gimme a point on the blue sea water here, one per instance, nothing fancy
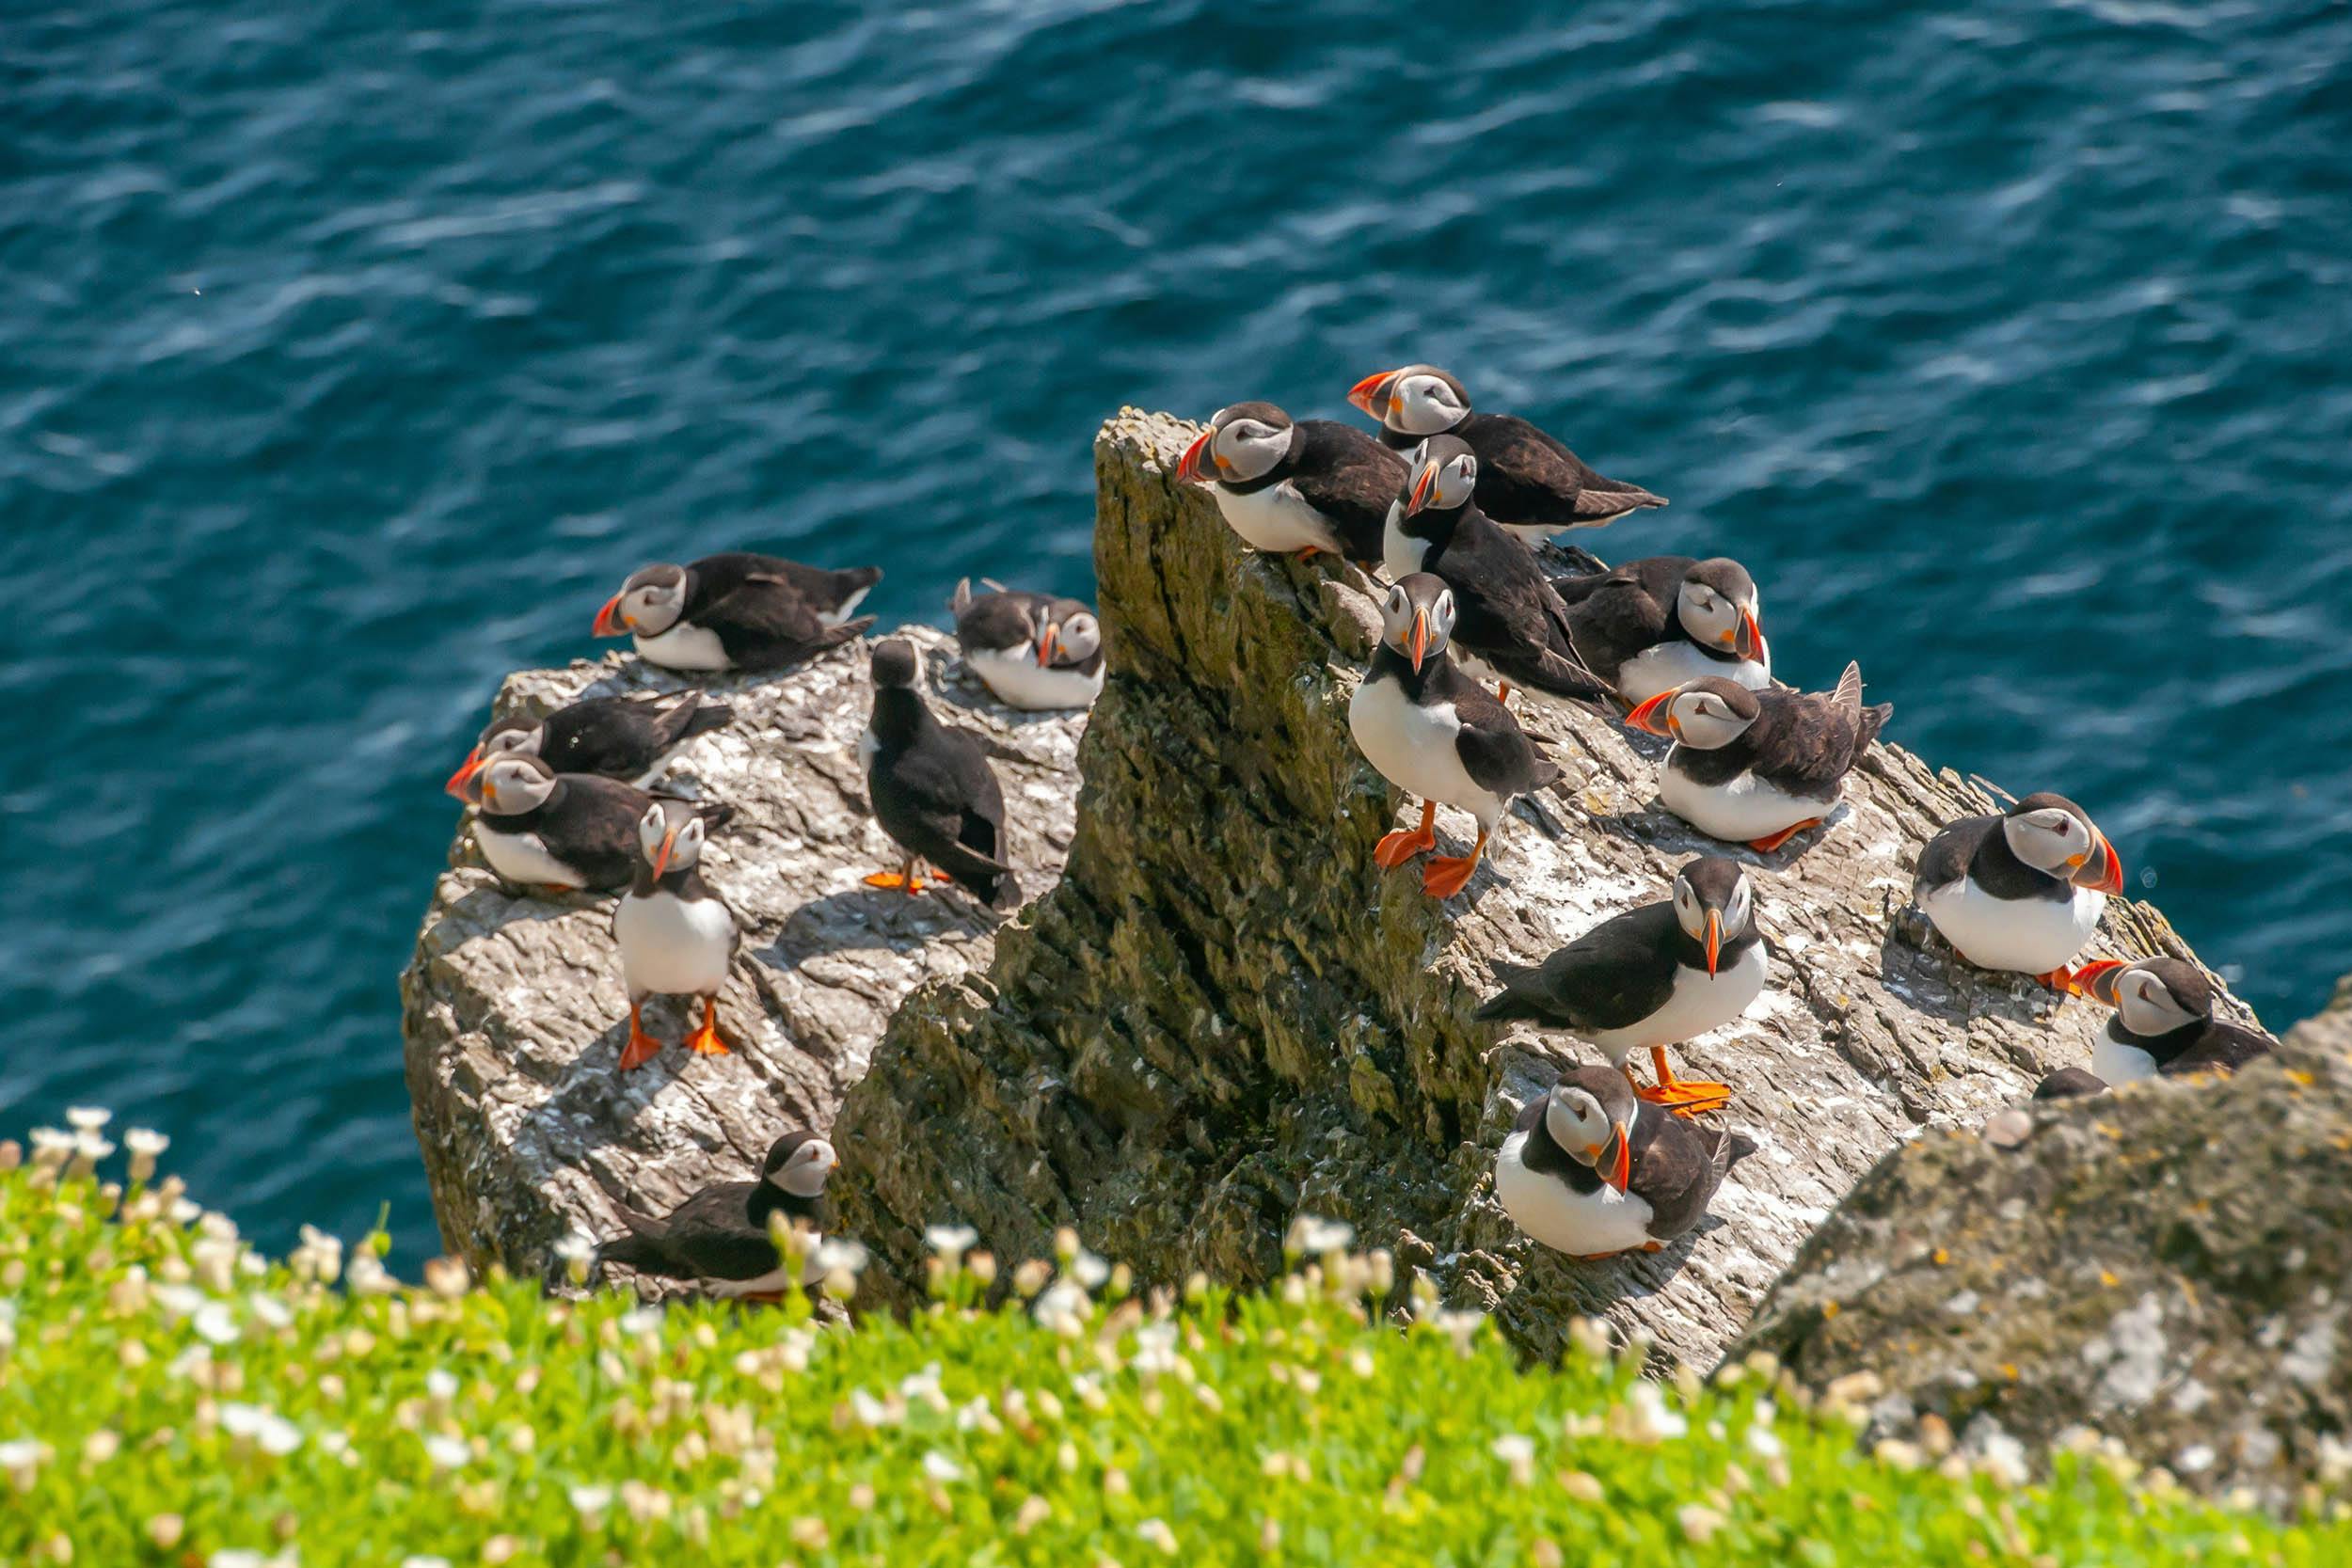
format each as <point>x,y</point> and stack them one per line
<point>351,354</point>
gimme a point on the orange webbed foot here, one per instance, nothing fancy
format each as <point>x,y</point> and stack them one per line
<point>705,1040</point>
<point>1766,845</point>
<point>642,1047</point>
<point>1447,874</point>
<point>1684,1097</point>
<point>1395,848</point>
<point>909,880</point>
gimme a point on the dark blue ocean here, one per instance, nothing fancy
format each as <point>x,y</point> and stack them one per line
<point>351,354</point>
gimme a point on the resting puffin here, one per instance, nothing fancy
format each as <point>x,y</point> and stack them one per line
<point>1434,732</point>
<point>737,612</point>
<point>932,788</point>
<point>1758,768</point>
<point>1591,1171</point>
<point>630,738</point>
<point>1033,652</point>
<point>1654,977</point>
<point>1527,482</point>
<point>1511,622</point>
<point>676,936</point>
<point>2070,1082</point>
<point>2164,1024</point>
<point>2022,890</point>
<point>719,1239</point>
<point>545,830</point>
<point>1299,485</point>
<point>1656,623</point>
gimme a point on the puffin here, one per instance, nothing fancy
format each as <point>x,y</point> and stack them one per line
<point>1434,732</point>
<point>676,936</point>
<point>1512,626</point>
<point>932,788</point>
<point>2022,889</point>
<point>1656,623</point>
<point>2070,1082</point>
<point>630,738</point>
<point>1527,480</point>
<point>1654,977</point>
<point>737,612</point>
<point>2164,1024</point>
<point>1294,486</point>
<point>1033,652</point>
<point>719,1239</point>
<point>1591,1171</point>
<point>550,831</point>
<point>1758,768</point>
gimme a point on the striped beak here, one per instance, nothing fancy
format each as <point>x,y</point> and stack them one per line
<point>662,856</point>
<point>609,621</point>
<point>1620,1170</point>
<point>1751,643</point>
<point>1047,640</point>
<point>2097,978</point>
<point>1651,717</point>
<point>456,785</point>
<point>1418,647</point>
<point>1714,938</point>
<point>1371,394</point>
<point>1423,483</point>
<point>1188,465</point>
<point>2102,870</point>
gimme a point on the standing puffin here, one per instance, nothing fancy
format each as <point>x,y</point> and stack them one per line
<point>1527,482</point>
<point>1434,732</point>
<point>1656,623</point>
<point>1299,485</point>
<point>2164,1024</point>
<point>737,612</point>
<point>719,1239</point>
<point>630,738</point>
<point>2021,890</point>
<point>932,788</point>
<point>1031,651</point>
<point>1510,621</point>
<point>1654,977</point>
<point>545,830</point>
<point>1758,767</point>
<point>676,936</point>
<point>1591,1171</point>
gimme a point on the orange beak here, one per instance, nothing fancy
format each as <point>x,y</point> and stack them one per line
<point>1621,1169</point>
<point>662,856</point>
<point>1423,483</point>
<point>1370,394</point>
<point>456,785</point>
<point>2103,868</point>
<point>1418,647</point>
<point>2097,978</point>
<point>1751,643</point>
<point>1645,717</point>
<point>609,623</point>
<point>1188,465</point>
<point>1047,642</point>
<point>1714,938</point>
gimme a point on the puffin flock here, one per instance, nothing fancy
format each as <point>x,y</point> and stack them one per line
<point>1448,504</point>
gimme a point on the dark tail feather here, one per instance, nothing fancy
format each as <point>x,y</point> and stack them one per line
<point>635,1252</point>
<point>1873,720</point>
<point>709,716</point>
<point>1738,1146</point>
<point>1556,677</point>
<point>1004,892</point>
<point>854,577</point>
<point>715,814</point>
<point>848,631</point>
<point>1520,997</point>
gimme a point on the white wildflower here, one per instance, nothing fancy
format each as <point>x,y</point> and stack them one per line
<point>145,1145</point>
<point>180,1300</point>
<point>272,1312</point>
<point>368,1274</point>
<point>87,1119</point>
<point>447,1452</point>
<point>591,1499</point>
<point>440,1384</point>
<point>215,1264</point>
<point>1463,1326</point>
<point>839,1252</point>
<point>215,1322</point>
<point>1089,1270</point>
<point>1312,1236</point>
<point>1645,1416</point>
<point>1063,1309</point>
<point>869,1411</point>
<point>1156,1532</point>
<point>1518,1451</point>
<point>21,1461</point>
<point>941,1469</point>
<point>951,1242</point>
<point>88,1149</point>
<point>424,1562</point>
<point>1156,1349</point>
<point>642,1320</point>
<point>575,1252</point>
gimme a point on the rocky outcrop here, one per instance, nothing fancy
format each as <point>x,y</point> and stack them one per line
<point>1223,1016</point>
<point>513,1012</point>
<point>2167,1266</point>
<point>2330,1029</point>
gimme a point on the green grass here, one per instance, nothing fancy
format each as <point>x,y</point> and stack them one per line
<point>166,1398</point>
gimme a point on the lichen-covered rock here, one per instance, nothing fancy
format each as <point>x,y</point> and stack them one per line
<point>1225,1016</point>
<point>2170,1266</point>
<point>513,1010</point>
<point>2330,1029</point>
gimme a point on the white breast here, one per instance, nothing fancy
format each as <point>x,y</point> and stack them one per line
<point>1678,659</point>
<point>1743,808</point>
<point>774,1279</point>
<point>1276,518</point>
<point>848,607</point>
<point>672,946</point>
<point>1017,678</point>
<point>1412,744</point>
<point>1579,1224</point>
<point>1400,554</point>
<point>523,858</point>
<point>2031,936</point>
<point>684,648</point>
<point>2119,1063</point>
<point>1698,1002</point>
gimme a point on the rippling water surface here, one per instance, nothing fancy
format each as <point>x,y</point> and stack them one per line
<point>349,355</point>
